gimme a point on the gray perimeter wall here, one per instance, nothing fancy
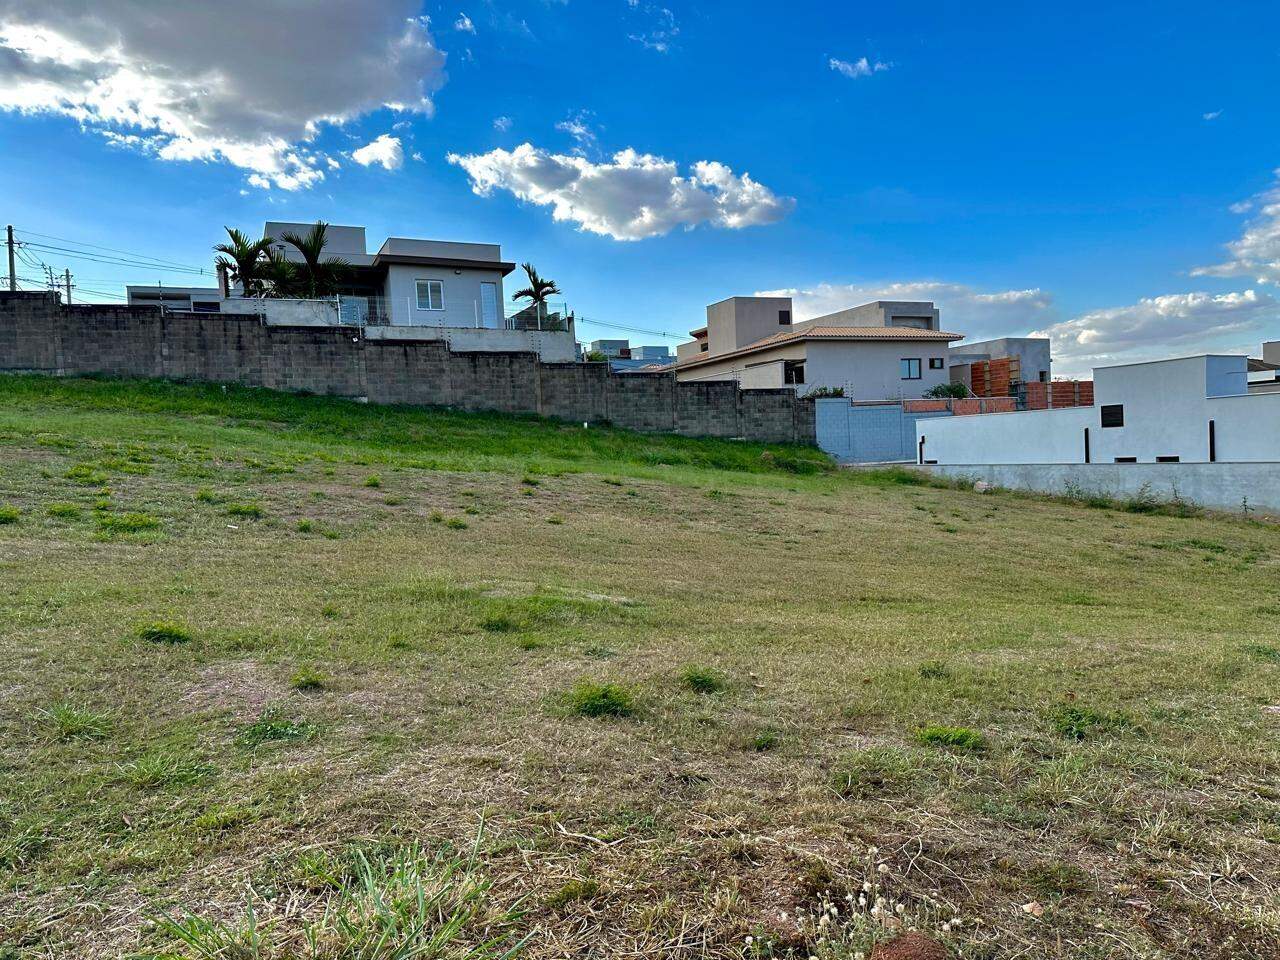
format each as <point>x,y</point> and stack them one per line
<point>39,334</point>
<point>1219,486</point>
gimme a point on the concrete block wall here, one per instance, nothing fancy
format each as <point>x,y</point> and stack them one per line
<point>38,333</point>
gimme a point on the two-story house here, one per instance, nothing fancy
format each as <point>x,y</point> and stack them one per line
<point>884,350</point>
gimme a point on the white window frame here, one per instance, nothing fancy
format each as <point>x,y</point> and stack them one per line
<point>437,285</point>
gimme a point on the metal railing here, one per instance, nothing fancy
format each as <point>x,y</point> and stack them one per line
<point>373,310</point>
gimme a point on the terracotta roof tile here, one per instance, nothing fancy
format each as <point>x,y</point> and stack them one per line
<point>828,333</point>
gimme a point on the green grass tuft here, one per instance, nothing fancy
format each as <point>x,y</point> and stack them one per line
<point>589,699</point>
<point>373,480</point>
<point>307,678</point>
<point>76,723</point>
<point>64,511</point>
<point>273,727</point>
<point>573,891</point>
<point>247,511</point>
<point>703,680</point>
<point>9,515</point>
<point>955,738</point>
<point>1077,723</point>
<point>165,767</point>
<point>165,631</point>
<point>934,670</point>
<point>456,523</point>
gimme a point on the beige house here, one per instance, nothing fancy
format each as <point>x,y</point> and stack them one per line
<point>884,350</point>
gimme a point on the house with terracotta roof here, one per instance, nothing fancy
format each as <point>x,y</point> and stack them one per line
<point>884,350</point>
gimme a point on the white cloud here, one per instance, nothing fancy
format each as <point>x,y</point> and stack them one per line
<point>502,124</point>
<point>237,81</point>
<point>965,310</point>
<point>635,196</point>
<point>861,67</point>
<point>463,24</point>
<point>1256,253</point>
<point>1212,115</point>
<point>577,126</point>
<point>385,150</point>
<point>1165,326</point>
<point>659,27</point>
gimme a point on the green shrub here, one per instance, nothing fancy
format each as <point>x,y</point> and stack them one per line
<point>956,738</point>
<point>76,723</point>
<point>165,631</point>
<point>248,511</point>
<point>64,511</point>
<point>947,391</point>
<point>703,680</point>
<point>373,480</point>
<point>590,699</point>
<point>9,515</point>
<point>272,727</point>
<point>456,523</point>
<point>1076,723</point>
<point>205,495</point>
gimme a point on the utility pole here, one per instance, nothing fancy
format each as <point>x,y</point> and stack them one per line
<point>13,271</point>
<point>66,279</point>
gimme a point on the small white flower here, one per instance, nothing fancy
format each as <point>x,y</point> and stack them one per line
<point>866,886</point>
<point>900,909</point>
<point>883,868</point>
<point>750,941</point>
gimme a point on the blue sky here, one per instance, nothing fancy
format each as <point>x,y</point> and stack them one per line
<point>1102,173</point>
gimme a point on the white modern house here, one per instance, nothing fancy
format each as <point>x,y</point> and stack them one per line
<point>407,289</point>
<point>885,350</point>
<point>1188,410</point>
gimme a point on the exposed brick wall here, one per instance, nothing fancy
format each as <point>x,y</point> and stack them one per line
<point>38,333</point>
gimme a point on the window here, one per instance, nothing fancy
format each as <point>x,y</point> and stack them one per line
<point>430,294</point>
<point>1113,415</point>
<point>1167,459</point>
<point>1126,459</point>
<point>909,369</point>
<point>919,323</point>
<point>792,371</point>
<point>205,306</point>
<point>784,318</point>
<point>1044,377</point>
<point>935,363</point>
<point>703,347</point>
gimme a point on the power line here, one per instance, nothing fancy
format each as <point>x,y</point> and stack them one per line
<point>114,261</point>
<point>619,326</point>
<point>94,246</point>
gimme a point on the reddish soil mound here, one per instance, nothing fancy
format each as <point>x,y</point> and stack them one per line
<point>910,946</point>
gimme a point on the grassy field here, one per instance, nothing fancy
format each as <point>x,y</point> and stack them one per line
<point>290,677</point>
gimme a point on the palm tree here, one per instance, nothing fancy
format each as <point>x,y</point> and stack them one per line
<point>537,292</point>
<point>243,258</point>
<point>319,277</point>
<point>278,276</point>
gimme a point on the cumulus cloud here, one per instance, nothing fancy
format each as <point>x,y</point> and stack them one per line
<point>196,84</point>
<point>463,24</point>
<point>632,197</point>
<point>1256,253</point>
<point>861,67</point>
<point>966,310</point>
<point>502,124</point>
<point>1154,327</point>
<point>384,150</point>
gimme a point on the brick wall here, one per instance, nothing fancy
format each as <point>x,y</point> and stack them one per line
<point>38,333</point>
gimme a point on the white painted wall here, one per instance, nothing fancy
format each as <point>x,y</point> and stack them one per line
<point>1167,408</point>
<point>552,346</point>
<point>869,369</point>
<point>461,295</point>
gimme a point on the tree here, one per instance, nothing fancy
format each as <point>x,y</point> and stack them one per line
<point>319,276</point>
<point>244,259</point>
<point>538,290</point>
